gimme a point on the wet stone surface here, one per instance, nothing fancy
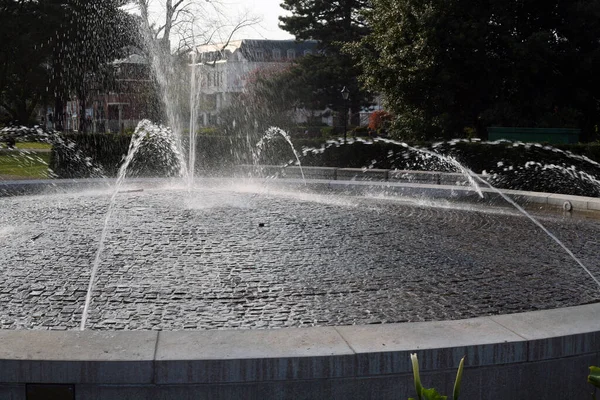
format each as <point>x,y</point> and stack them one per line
<point>236,259</point>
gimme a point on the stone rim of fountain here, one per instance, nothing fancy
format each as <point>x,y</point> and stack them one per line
<point>165,359</point>
<point>577,203</point>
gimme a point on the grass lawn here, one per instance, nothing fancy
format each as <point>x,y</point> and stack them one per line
<point>29,146</point>
<point>34,145</point>
<point>17,165</point>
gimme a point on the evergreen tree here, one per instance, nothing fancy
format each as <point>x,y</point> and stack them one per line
<point>446,66</point>
<point>333,24</point>
<point>90,35</point>
<point>53,48</point>
<point>23,59</point>
<point>329,22</point>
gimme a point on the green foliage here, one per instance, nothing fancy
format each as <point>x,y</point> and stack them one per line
<point>327,21</point>
<point>210,131</point>
<point>78,152</point>
<point>51,48</point>
<point>510,166</point>
<point>322,76</point>
<point>23,76</point>
<point>594,376</point>
<point>327,131</point>
<point>360,131</point>
<point>594,379</point>
<point>432,394</point>
<point>443,66</point>
<point>218,153</point>
<point>458,380</point>
<point>33,145</point>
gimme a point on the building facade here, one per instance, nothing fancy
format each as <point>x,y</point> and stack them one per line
<point>111,108</point>
<point>223,70</point>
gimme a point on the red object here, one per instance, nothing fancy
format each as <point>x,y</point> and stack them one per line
<point>379,119</point>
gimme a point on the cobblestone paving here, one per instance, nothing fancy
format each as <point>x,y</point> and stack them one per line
<point>227,259</point>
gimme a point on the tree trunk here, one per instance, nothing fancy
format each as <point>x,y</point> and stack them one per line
<point>22,115</point>
<point>59,107</point>
<point>83,126</point>
<point>355,113</point>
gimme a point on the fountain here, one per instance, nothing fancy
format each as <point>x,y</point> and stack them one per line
<point>367,268</point>
<point>255,253</point>
<point>315,241</point>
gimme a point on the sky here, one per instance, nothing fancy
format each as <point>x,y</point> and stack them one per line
<point>230,12</point>
<point>269,11</point>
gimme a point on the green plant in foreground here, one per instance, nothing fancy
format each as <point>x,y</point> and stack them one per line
<point>594,378</point>
<point>432,394</point>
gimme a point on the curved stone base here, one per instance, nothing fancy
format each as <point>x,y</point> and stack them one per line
<point>541,354</point>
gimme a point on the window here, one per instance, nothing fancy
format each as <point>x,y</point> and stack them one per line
<point>291,54</point>
<point>276,54</point>
<point>218,79</point>
<point>259,54</point>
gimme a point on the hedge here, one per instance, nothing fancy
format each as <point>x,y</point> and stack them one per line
<point>518,166</point>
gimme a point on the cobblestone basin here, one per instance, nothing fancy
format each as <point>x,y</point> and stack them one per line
<point>241,258</point>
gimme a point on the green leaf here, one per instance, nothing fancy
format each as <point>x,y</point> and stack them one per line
<point>432,394</point>
<point>416,376</point>
<point>594,376</point>
<point>458,380</point>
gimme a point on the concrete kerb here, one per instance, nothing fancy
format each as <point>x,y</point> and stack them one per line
<point>446,191</point>
<point>514,350</point>
<point>302,355</point>
<point>410,183</point>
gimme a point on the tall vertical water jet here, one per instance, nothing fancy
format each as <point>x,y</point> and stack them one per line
<point>193,118</point>
<point>169,80</point>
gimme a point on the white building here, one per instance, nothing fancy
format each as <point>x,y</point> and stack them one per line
<point>223,69</point>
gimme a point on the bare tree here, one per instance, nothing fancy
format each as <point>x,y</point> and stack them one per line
<point>189,22</point>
